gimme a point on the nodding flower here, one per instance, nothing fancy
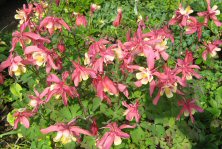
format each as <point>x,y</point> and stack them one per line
<point>15,65</point>
<point>81,73</point>
<point>211,49</point>
<point>22,117</point>
<point>189,108</point>
<point>40,55</point>
<point>186,67</point>
<point>60,88</point>
<point>66,132</point>
<point>113,136</point>
<point>24,14</point>
<point>211,13</point>
<point>132,111</point>
<point>181,17</point>
<point>53,23</point>
<point>167,83</point>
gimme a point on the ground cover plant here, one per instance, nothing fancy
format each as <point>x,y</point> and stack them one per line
<point>98,74</point>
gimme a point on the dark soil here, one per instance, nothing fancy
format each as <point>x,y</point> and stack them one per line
<point>8,11</point>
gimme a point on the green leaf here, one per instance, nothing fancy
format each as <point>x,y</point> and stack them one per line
<point>96,104</point>
<point>15,89</point>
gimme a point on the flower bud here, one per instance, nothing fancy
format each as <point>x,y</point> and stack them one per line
<point>61,47</point>
<point>81,20</point>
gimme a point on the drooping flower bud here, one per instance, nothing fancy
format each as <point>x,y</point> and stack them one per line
<point>94,128</point>
<point>61,47</point>
<point>57,2</point>
<point>81,20</point>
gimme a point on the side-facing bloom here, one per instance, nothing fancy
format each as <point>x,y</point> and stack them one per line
<point>81,20</point>
<point>39,8</point>
<point>60,88</point>
<point>81,73</point>
<point>98,54</point>
<point>22,116</point>
<point>37,100</point>
<point>211,48</point>
<point>118,19</point>
<point>15,64</point>
<point>211,13</point>
<point>189,108</point>
<point>132,111</point>
<point>167,83</point>
<point>186,67</point>
<point>113,136</point>
<point>194,26</point>
<point>52,24</point>
<point>181,16</point>
<point>40,55</point>
<point>24,14</point>
<point>66,132</point>
<point>104,84</point>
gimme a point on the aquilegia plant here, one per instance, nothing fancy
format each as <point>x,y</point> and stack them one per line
<point>101,69</point>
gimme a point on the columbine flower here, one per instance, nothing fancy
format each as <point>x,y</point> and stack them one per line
<point>66,132</point>
<point>143,47</point>
<point>41,55</point>
<point>94,8</point>
<point>163,33</point>
<point>22,116</point>
<point>189,108</point>
<point>118,19</point>
<point>104,84</point>
<point>15,64</point>
<point>113,136</point>
<point>181,16</point>
<point>37,100</point>
<point>24,14</point>
<point>132,111</point>
<point>211,13</point>
<point>24,38</point>
<point>81,73</point>
<point>160,50</point>
<point>167,83</point>
<point>81,20</point>
<point>194,26</point>
<point>59,87</point>
<point>186,67</point>
<point>52,24</point>
<point>211,48</point>
<point>168,89</point>
<point>98,49</point>
<point>144,76</point>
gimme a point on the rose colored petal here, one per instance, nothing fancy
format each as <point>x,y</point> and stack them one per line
<point>79,130</point>
<point>24,121</point>
<point>51,129</point>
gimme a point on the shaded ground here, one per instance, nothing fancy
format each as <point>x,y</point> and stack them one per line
<point>7,12</point>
